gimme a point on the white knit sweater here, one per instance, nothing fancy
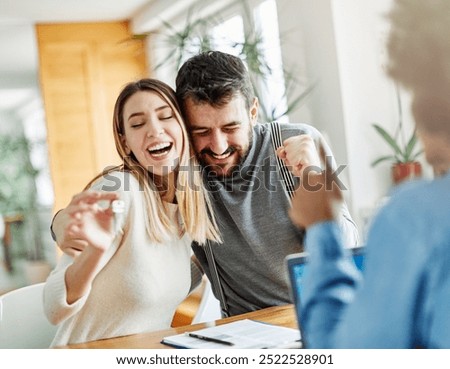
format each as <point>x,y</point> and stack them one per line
<point>139,286</point>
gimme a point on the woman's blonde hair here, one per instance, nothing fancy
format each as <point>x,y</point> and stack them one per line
<point>193,201</point>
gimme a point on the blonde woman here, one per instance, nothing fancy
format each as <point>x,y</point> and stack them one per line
<point>134,269</point>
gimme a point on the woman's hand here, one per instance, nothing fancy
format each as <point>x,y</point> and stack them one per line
<point>91,219</point>
<point>92,224</point>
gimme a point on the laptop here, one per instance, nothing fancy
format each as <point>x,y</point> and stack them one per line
<point>296,265</point>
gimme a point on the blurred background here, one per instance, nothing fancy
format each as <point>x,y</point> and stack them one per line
<point>63,63</point>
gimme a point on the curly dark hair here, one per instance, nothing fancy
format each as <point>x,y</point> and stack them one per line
<point>215,78</point>
<point>419,43</point>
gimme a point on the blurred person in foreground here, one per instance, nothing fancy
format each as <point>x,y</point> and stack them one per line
<point>402,299</point>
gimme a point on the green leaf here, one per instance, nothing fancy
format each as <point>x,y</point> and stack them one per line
<point>416,155</point>
<point>410,146</point>
<point>388,138</point>
<point>383,158</point>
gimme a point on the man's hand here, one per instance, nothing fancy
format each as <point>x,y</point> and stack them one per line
<point>316,198</point>
<point>70,242</point>
<point>298,153</point>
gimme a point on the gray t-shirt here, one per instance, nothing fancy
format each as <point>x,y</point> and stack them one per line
<point>251,207</point>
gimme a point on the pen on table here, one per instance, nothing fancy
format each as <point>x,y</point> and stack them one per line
<point>210,339</point>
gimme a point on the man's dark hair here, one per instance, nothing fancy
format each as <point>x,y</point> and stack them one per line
<point>215,78</point>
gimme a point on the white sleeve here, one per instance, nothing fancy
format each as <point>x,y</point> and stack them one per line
<point>55,293</point>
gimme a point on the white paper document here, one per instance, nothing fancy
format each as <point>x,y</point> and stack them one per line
<point>245,333</point>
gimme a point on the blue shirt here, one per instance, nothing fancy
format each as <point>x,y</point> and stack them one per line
<point>402,300</point>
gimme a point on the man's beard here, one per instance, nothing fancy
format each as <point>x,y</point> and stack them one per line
<point>212,168</point>
<point>216,169</point>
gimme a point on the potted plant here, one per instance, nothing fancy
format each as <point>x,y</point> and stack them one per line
<point>405,152</point>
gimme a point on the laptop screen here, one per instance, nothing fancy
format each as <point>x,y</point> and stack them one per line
<point>296,266</point>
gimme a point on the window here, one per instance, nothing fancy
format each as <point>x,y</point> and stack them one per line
<point>227,33</point>
<point>231,32</point>
<point>266,21</point>
<point>247,23</point>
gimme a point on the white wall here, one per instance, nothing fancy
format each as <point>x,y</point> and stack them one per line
<point>367,96</point>
<point>310,44</point>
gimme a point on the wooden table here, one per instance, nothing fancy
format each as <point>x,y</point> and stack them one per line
<point>279,315</point>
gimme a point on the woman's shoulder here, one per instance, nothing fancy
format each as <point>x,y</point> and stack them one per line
<point>424,191</point>
<point>423,203</point>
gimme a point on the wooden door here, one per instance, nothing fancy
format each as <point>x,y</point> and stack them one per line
<point>82,69</point>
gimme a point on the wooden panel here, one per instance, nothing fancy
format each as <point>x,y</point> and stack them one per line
<point>82,69</point>
<point>69,118</point>
<point>124,56</point>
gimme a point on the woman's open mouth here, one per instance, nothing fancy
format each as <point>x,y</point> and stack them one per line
<point>161,149</point>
